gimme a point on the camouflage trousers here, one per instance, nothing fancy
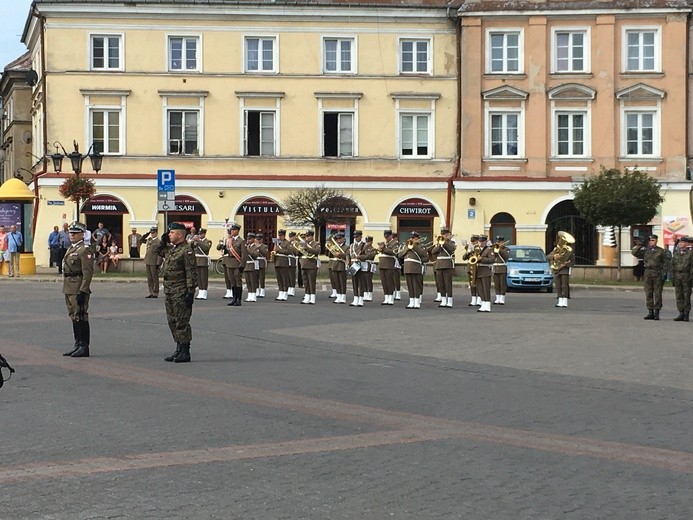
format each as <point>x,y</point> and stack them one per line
<point>178,315</point>
<point>683,294</point>
<point>654,282</point>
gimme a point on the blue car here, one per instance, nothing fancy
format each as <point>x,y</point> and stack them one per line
<point>528,268</point>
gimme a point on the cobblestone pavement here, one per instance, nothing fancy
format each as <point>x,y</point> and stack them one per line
<point>292,411</point>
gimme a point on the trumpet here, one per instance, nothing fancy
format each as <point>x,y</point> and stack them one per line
<point>498,245</point>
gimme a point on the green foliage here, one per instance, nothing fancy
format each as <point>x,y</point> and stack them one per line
<point>615,198</point>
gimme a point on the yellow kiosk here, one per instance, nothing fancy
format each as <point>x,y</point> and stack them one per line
<point>16,207</point>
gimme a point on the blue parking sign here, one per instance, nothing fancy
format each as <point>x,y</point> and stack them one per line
<point>166,180</point>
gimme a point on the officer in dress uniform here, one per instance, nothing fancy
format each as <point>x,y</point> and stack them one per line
<point>309,249</point>
<point>500,270</point>
<point>682,276</point>
<point>473,245</point>
<point>444,251</point>
<point>179,271</point>
<point>414,257</point>
<point>152,261</point>
<point>78,269</point>
<point>238,257</point>
<point>201,245</point>
<point>283,256</point>
<point>388,266</point>
<point>221,246</point>
<point>483,274</point>
<point>656,266</point>
<point>263,251</point>
<point>252,267</point>
<point>339,269</point>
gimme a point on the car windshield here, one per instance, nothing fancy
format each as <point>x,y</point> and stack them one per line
<point>522,254</point>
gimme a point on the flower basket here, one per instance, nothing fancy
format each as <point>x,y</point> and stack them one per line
<point>77,189</point>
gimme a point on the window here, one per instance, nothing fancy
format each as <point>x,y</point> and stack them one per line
<point>505,52</point>
<point>183,132</point>
<point>105,131</point>
<point>415,56</point>
<point>105,52</point>
<point>259,133</point>
<point>338,55</point>
<point>259,55</point>
<point>641,50</point>
<point>338,134</point>
<point>569,134</point>
<point>183,52</point>
<point>504,134</point>
<point>640,133</point>
<point>571,51</point>
<point>414,136</point>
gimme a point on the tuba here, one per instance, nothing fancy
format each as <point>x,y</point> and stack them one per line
<point>562,251</point>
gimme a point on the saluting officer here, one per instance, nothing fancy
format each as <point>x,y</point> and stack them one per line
<point>388,266</point>
<point>238,256</point>
<point>282,263</point>
<point>152,261</point>
<point>414,257</point>
<point>483,274</point>
<point>682,273</point>
<point>656,266</point>
<point>201,245</point>
<point>444,251</point>
<point>500,269</point>
<point>179,271</point>
<point>78,269</point>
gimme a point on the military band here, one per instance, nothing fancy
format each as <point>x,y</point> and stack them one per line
<point>414,257</point>
<point>389,266</point>
<point>309,250</point>
<point>338,266</point>
<point>444,251</point>
<point>469,257</point>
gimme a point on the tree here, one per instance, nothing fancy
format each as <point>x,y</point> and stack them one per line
<point>615,198</point>
<point>314,205</point>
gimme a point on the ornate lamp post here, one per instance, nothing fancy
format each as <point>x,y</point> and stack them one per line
<point>75,188</point>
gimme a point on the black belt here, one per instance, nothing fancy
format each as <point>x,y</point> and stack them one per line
<point>176,279</point>
<point>70,275</point>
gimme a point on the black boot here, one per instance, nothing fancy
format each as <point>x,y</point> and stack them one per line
<point>238,292</point>
<point>685,315</point>
<point>656,315</point>
<point>184,355</point>
<point>76,333</point>
<point>234,298</point>
<point>83,350</point>
<point>680,317</point>
<point>173,356</point>
<point>650,315</point>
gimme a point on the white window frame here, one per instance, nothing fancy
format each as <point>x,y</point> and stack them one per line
<point>354,139</point>
<point>106,111</point>
<point>587,52</point>
<point>121,51</point>
<point>520,113</point>
<point>262,111</point>
<point>92,104</point>
<point>184,111</point>
<point>429,57</point>
<point>429,134</point>
<point>353,54</point>
<point>275,53</point>
<point>198,53</point>
<point>520,50</point>
<point>587,134</point>
<point>656,131</point>
<point>657,49</point>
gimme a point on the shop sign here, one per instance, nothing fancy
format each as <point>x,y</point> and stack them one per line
<point>56,202</point>
<point>415,208</point>
<point>184,204</point>
<point>336,226</point>
<point>260,206</point>
<point>104,204</point>
<point>340,206</point>
<point>10,214</point>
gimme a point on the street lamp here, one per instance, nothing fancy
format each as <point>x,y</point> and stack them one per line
<point>76,158</point>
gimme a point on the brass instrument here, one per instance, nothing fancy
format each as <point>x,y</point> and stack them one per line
<point>562,251</point>
<point>273,254</point>
<point>473,260</point>
<point>440,240</point>
<point>333,247</point>
<point>497,246</point>
<point>297,245</point>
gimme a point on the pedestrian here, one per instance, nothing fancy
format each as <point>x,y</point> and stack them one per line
<point>179,271</point>
<point>99,233</point>
<point>4,253</point>
<point>201,245</point>
<point>134,241</point>
<point>656,267</point>
<point>78,269</point>
<point>64,239</point>
<point>682,277</point>
<point>54,247</point>
<point>102,254</point>
<point>152,261</point>
<point>15,240</point>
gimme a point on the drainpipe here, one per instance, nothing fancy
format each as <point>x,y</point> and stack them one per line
<point>44,161</point>
<point>458,116</point>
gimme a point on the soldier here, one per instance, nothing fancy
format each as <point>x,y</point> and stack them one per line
<point>561,259</point>
<point>656,266</point>
<point>179,270</point>
<point>469,252</point>
<point>414,257</point>
<point>330,265</point>
<point>221,246</point>
<point>682,277</point>
<point>399,273</point>
<point>356,256</point>
<point>294,265</point>
<point>339,272</point>
<point>201,245</point>
<point>262,262</point>
<point>500,270</point>
<point>152,261</point>
<point>483,274</point>
<point>388,266</point>
<point>283,256</point>
<point>309,250</point>
<point>78,269</point>
<point>238,256</point>
<point>252,267</point>
<point>370,253</point>
<point>444,251</point>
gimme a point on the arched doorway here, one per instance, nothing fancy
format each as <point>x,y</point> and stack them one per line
<point>338,214</point>
<point>503,224</point>
<point>107,209</point>
<point>415,215</point>
<point>260,216</point>
<point>564,216</point>
<point>188,210</point>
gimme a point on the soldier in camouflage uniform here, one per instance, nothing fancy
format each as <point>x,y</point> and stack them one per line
<point>682,277</point>
<point>78,269</point>
<point>656,266</point>
<point>180,280</point>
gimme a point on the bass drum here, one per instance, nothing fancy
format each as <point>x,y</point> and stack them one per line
<point>354,268</point>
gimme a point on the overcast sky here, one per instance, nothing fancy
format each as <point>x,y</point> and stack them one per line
<point>12,18</point>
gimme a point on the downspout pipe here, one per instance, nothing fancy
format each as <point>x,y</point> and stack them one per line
<point>451,14</point>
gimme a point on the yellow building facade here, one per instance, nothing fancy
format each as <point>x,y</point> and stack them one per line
<point>247,104</point>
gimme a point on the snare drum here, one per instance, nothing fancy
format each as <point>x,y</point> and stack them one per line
<point>354,268</point>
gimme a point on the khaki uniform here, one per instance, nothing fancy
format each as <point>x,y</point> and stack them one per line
<point>338,270</point>
<point>356,254</point>
<point>252,268</point>
<point>309,266</point>
<point>414,260</point>
<point>262,262</point>
<point>564,258</point>
<point>389,267</point>
<point>152,261</point>
<point>483,273</point>
<point>78,269</point>
<point>179,271</point>
<point>202,248</point>
<point>284,261</point>
<point>656,267</point>
<point>444,265</point>
<point>500,271</point>
<point>236,260</point>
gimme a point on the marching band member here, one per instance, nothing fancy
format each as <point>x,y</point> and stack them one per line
<point>262,261</point>
<point>437,275</point>
<point>444,249</point>
<point>283,258</point>
<point>201,245</point>
<point>370,253</point>
<point>309,251</point>
<point>225,262</point>
<point>293,266</point>
<point>389,266</point>
<point>356,250</point>
<point>330,265</point>
<point>252,267</point>
<point>483,274</point>
<point>500,270</point>
<point>400,272</point>
<point>339,270</point>
<point>415,257</point>
<point>238,255</point>
<point>473,244</point>
<point>561,259</point>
